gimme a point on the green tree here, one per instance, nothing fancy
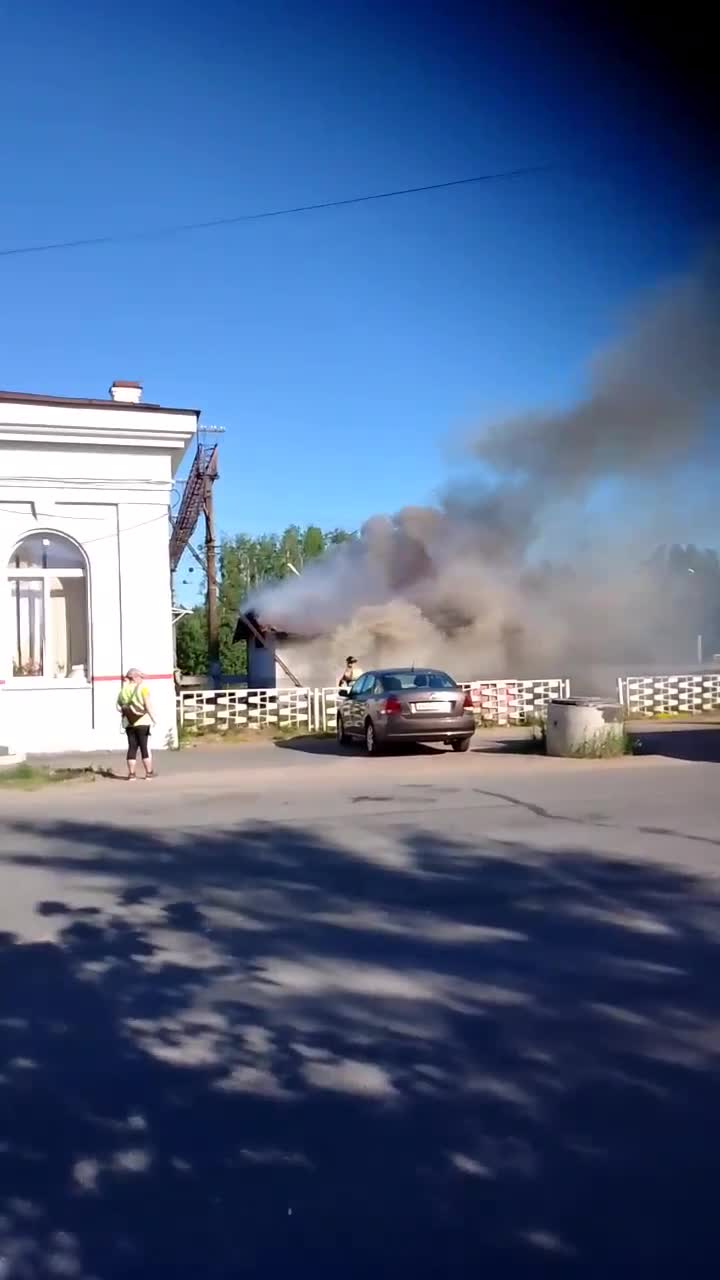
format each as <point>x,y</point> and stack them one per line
<point>336,536</point>
<point>314,543</point>
<point>191,642</point>
<point>291,547</point>
<point>245,563</point>
<point>234,565</point>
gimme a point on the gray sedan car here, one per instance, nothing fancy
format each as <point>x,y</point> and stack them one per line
<point>405,704</point>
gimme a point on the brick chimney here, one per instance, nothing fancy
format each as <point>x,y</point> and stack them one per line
<point>126,392</point>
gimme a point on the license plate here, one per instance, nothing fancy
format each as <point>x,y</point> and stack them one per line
<point>443,708</point>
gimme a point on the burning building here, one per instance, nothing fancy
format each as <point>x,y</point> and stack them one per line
<point>534,562</point>
<point>266,668</point>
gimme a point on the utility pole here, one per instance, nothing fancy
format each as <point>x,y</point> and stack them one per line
<point>198,498</point>
<point>213,625</point>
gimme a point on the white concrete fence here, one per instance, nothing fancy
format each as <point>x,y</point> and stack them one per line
<point>496,702</point>
<point>670,695</point>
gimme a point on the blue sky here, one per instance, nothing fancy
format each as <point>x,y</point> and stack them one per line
<point>341,350</point>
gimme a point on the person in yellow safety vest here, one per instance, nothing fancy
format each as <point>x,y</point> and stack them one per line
<point>351,673</point>
<point>133,703</point>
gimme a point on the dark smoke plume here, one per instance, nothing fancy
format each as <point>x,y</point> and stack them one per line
<point>459,583</point>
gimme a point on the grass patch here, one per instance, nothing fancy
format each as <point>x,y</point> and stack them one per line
<point>28,777</point>
<point>533,721</point>
<point>606,746</point>
<point>709,716</point>
<point>185,736</point>
<point>189,736</point>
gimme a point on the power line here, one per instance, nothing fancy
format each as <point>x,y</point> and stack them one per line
<point>101,537</point>
<point>181,227</point>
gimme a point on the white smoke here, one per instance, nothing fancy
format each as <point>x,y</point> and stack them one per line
<point>457,585</point>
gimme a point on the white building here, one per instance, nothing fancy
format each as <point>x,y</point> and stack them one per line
<point>85,488</point>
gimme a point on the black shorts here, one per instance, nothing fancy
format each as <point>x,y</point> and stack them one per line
<point>137,736</point>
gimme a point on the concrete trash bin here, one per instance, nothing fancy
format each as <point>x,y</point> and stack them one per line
<point>576,726</point>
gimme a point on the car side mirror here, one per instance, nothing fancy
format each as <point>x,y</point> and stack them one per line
<point>343,693</point>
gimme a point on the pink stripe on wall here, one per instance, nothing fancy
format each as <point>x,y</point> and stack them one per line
<point>115,679</point>
<point>119,679</point>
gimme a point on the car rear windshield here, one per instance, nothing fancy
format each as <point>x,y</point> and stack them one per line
<point>394,680</point>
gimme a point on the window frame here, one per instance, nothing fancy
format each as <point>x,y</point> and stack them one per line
<point>48,576</point>
<point>401,672</point>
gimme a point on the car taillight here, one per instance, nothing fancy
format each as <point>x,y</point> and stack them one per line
<point>468,703</point>
<point>393,706</point>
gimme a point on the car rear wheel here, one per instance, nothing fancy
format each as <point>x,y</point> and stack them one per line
<point>371,742</point>
<point>461,744</point>
<point>342,737</point>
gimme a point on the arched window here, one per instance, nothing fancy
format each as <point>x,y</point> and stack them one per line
<point>49,609</point>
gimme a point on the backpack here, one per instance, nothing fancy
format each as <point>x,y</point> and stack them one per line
<point>133,713</point>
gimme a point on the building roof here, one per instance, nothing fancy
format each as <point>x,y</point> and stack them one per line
<point>82,402</point>
<point>245,632</point>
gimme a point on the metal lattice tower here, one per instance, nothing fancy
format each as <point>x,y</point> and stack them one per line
<point>203,472</point>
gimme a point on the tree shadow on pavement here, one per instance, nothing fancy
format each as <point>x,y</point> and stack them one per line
<point>267,1055</point>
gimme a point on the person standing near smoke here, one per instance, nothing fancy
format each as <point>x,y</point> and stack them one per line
<point>351,673</point>
<point>133,703</point>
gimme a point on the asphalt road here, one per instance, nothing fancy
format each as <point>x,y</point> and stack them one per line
<point>282,1011</point>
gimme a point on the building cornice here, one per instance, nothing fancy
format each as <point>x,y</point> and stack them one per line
<point>109,427</point>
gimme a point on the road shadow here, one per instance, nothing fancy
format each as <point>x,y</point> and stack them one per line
<point>511,746</point>
<point>308,744</point>
<point>699,745</point>
<point>268,1055</point>
<point>329,746</point>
